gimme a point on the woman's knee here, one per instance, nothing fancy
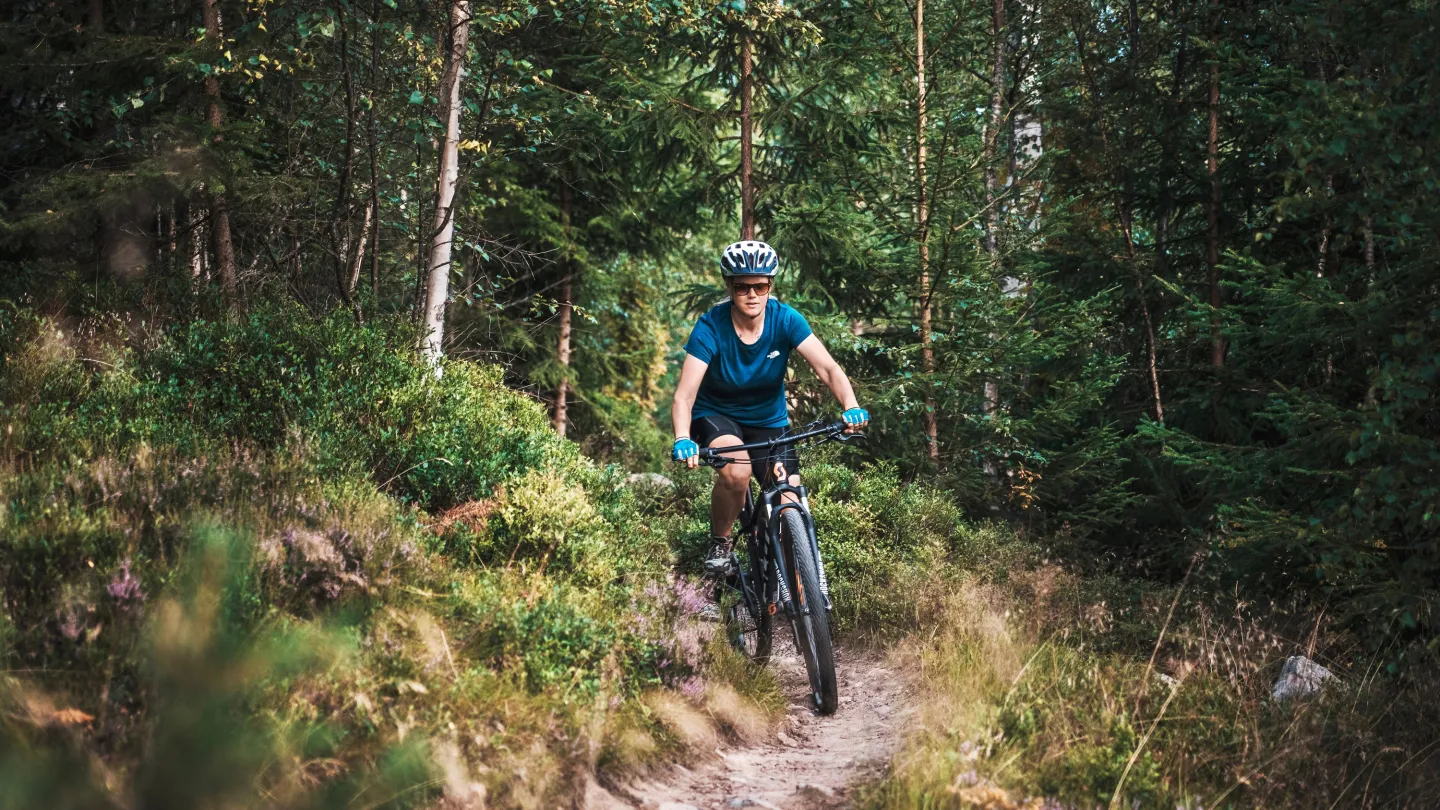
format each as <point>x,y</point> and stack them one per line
<point>735,475</point>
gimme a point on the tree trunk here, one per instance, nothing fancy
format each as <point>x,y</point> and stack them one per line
<point>353,282</point>
<point>1127,219</point>
<point>1127,226</point>
<point>1212,215</point>
<point>1322,267</point>
<point>297,269</point>
<point>340,233</point>
<point>437,289</point>
<point>1162,260</point>
<point>374,157</point>
<point>219,203</point>
<point>922,221</point>
<point>747,186</point>
<point>195,229</point>
<point>992,179</point>
<point>562,350</point>
<point>95,16</point>
<point>992,134</point>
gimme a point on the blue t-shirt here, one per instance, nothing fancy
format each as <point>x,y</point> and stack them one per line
<point>746,382</point>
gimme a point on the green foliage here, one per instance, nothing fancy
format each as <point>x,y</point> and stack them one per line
<point>110,543</point>
<point>354,397</point>
<point>886,544</point>
<point>213,729</point>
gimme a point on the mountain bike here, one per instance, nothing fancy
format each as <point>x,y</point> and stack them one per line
<point>782,571</point>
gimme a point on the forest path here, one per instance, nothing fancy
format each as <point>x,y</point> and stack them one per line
<point>813,761</point>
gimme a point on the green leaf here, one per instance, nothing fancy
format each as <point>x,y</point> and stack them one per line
<point>417,97</point>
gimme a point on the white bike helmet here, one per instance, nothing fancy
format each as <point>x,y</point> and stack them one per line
<point>748,258</point>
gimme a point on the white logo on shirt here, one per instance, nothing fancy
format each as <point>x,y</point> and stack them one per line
<point>773,355</point>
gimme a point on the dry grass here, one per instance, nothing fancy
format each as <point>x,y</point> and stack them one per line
<point>1046,691</point>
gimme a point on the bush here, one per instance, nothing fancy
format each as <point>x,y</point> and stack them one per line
<point>368,502</point>
<point>887,544</point>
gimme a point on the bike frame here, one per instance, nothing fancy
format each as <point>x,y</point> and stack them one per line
<point>754,525</point>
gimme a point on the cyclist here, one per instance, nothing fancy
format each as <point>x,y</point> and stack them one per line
<point>732,386</point>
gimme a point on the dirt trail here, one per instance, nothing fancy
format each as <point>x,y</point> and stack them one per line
<point>812,763</point>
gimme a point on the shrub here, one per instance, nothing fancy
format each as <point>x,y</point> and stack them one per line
<point>368,505</point>
<point>887,545</point>
<point>357,398</point>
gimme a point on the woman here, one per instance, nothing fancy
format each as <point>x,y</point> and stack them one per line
<point>732,386</point>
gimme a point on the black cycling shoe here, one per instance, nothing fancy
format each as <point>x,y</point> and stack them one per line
<point>720,563</point>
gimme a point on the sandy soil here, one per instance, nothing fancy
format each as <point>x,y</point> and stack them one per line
<point>811,763</point>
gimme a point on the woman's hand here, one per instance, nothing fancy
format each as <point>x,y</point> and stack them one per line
<point>687,451</point>
<point>855,418</point>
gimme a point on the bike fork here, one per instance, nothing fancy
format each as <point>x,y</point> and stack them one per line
<point>783,575</point>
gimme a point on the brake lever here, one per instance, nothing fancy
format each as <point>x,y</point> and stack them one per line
<point>716,460</point>
<point>842,436</point>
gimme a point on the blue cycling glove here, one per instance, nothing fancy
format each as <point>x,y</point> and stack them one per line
<point>684,448</point>
<point>855,416</point>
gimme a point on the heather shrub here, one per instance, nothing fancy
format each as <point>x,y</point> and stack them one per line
<point>357,397</point>
<point>493,591</point>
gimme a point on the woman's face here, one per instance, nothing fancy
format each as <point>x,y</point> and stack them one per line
<point>750,293</point>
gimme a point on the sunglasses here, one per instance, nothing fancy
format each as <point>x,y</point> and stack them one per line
<point>759,288</point>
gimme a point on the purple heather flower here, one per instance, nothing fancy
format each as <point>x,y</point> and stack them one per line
<point>125,587</point>
<point>692,687</point>
<point>70,627</point>
<point>690,596</point>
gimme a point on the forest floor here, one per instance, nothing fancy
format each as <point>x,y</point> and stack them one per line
<point>811,762</point>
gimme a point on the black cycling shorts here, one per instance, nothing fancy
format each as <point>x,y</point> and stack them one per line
<point>705,429</point>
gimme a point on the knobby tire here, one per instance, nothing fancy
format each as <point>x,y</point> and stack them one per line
<point>749,626</point>
<point>811,623</point>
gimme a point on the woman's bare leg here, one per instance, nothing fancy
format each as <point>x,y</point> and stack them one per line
<point>728,496</point>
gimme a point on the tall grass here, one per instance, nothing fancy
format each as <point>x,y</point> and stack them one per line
<point>1045,689</point>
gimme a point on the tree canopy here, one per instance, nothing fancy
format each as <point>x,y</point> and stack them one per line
<point>1161,275</point>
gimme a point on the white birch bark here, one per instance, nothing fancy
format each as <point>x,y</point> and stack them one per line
<point>437,288</point>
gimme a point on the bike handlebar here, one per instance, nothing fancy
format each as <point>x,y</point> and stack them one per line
<point>712,456</point>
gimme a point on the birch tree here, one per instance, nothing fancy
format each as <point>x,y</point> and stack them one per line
<point>437,287</point>
<point>922,223</point>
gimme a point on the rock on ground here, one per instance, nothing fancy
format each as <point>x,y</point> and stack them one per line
<point>649,480</point>
<point>1300,677</point>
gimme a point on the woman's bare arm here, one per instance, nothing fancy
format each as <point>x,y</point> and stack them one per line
<point>691,373</point>
<point>828,371</point>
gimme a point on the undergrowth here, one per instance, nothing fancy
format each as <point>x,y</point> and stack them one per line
<point>276,560</point>
<point>1042,688</point>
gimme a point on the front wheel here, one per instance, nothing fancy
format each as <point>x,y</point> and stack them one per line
<point>811,623</point>
<point>747,620</point>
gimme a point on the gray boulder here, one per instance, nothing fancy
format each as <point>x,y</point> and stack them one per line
<point>1300,677</point>
<point>647,480</point>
